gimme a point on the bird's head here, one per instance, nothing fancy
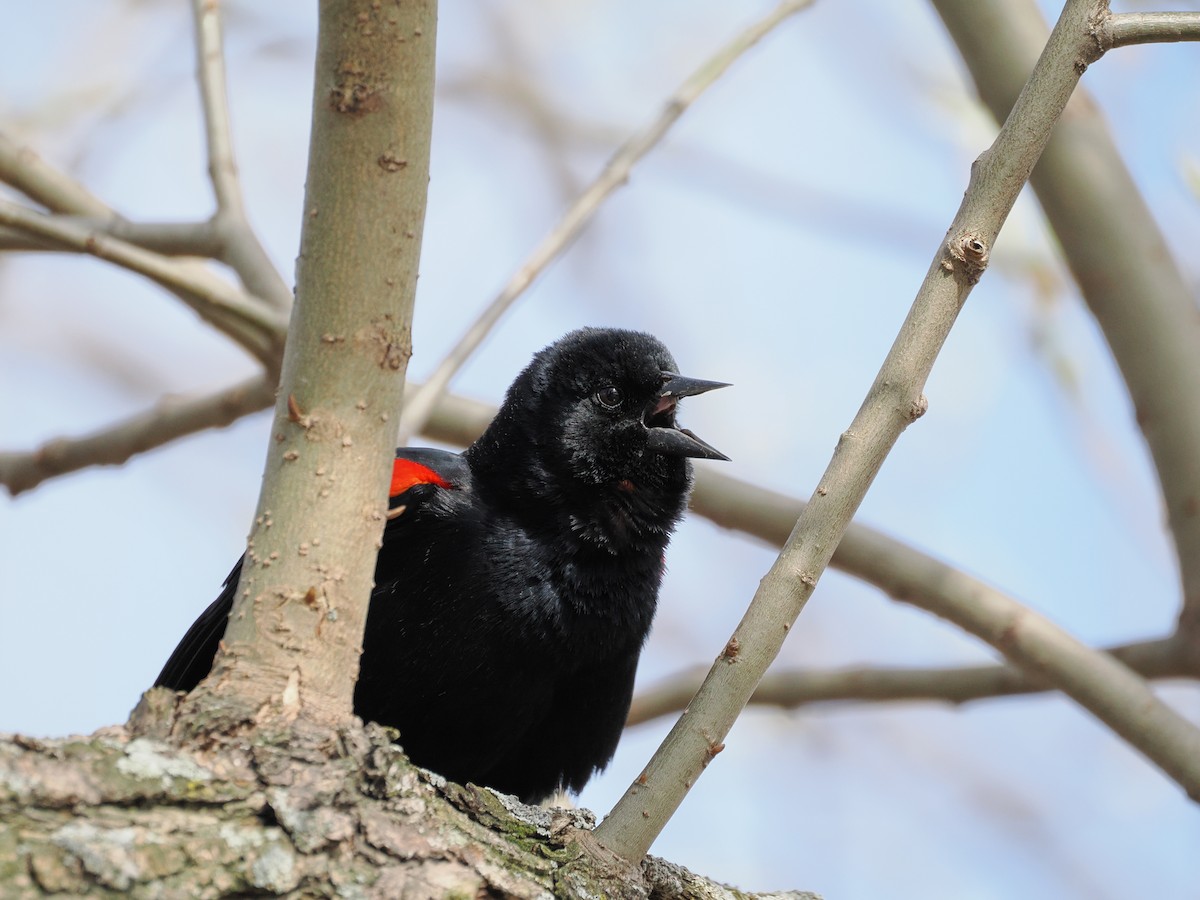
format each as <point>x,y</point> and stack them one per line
<point>595,414</point>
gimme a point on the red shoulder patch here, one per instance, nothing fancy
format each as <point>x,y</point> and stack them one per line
<point>406,473</point>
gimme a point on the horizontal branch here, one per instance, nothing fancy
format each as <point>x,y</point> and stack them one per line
<point>226,238</point>
<point>959,684</point>
<point>726,501</point>
<point>769,516</point>
<point>171,418</point>
<point>1125,29</point>
<point>455,420</point>
<point>166,238</point>
<point>1098,682</point>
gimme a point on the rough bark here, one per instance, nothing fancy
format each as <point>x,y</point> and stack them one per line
<point>303,812</point>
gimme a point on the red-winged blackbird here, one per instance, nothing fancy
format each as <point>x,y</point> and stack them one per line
<point>517,586</point>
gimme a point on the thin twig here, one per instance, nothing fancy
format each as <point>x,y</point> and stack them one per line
<point>210,74</point>
<point>956,684</point>
<point>255,327</point>
<point>615,174</point>
<point>171,418</point>
<point>1105,687</point>
<point>240,248</point>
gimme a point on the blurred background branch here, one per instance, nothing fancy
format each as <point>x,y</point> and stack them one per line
<point>615,173</point>
<point>1119,257</point>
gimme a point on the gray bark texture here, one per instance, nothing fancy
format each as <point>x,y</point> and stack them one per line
<point>306,812</point>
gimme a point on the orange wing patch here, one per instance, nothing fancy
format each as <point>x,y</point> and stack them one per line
<point>406,473</point>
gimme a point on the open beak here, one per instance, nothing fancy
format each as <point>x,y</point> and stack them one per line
<point>663,435</point>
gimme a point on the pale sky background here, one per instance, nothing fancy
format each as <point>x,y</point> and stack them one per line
<point>775,242</point>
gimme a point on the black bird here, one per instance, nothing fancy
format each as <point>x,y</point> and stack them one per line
<point>515,588</point>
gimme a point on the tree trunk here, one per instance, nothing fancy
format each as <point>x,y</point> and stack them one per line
<point>279,814</point>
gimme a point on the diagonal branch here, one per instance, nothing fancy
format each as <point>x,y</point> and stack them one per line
<point>171,418</point>
<point>240,316</point>
<point>86,224</point>
<point>1046,653</point>
<point>1117,253</point>
<point>615,174</point>
<point>959,684</point>
<point>1105,687</point>
<point>24,170</point>
<point>868,555</point>
<point>456,420</point>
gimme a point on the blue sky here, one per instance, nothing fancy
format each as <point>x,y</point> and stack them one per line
<point>775,241</point>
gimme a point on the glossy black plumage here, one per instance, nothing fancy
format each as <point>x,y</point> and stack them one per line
<point>510,608</point>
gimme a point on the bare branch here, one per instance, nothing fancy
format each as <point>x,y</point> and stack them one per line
<point>240,316</point>
<point>171,418</point>
<point>240,248</point>
<point>615,174</point>
<point>1105,687</point>
<point>1124,29</point>
<point>1099,683</point>
<point>769,516</point>
<point>26,171</point>
<point>166,238</point>
<point>210,74</point>
<point>1116,251</point>
<point>961,684</point>
<point>456,420</point>
<point>22,168</point>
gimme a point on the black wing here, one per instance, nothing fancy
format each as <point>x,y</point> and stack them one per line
<point>193,658</point>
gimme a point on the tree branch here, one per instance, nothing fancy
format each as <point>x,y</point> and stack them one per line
<point>214,101</point>
<point>165,238</point>
<point>1124,29</point>
<point>240,248</point>
<point>171,418</point>
<point>959,684</point>
<point>1120,698</point>
<point>615,174</point>
<point>242,317</point>
<point>1116,252</point>
<point>26,171</point>
<point>455,420</point>
<point>291,647</point>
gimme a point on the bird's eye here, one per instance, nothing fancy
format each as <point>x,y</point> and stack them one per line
<point>609,397</point>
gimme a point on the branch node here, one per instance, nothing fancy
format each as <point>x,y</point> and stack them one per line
<point>918,408</point>
<point>971,250</point>
<point>731,651</point>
